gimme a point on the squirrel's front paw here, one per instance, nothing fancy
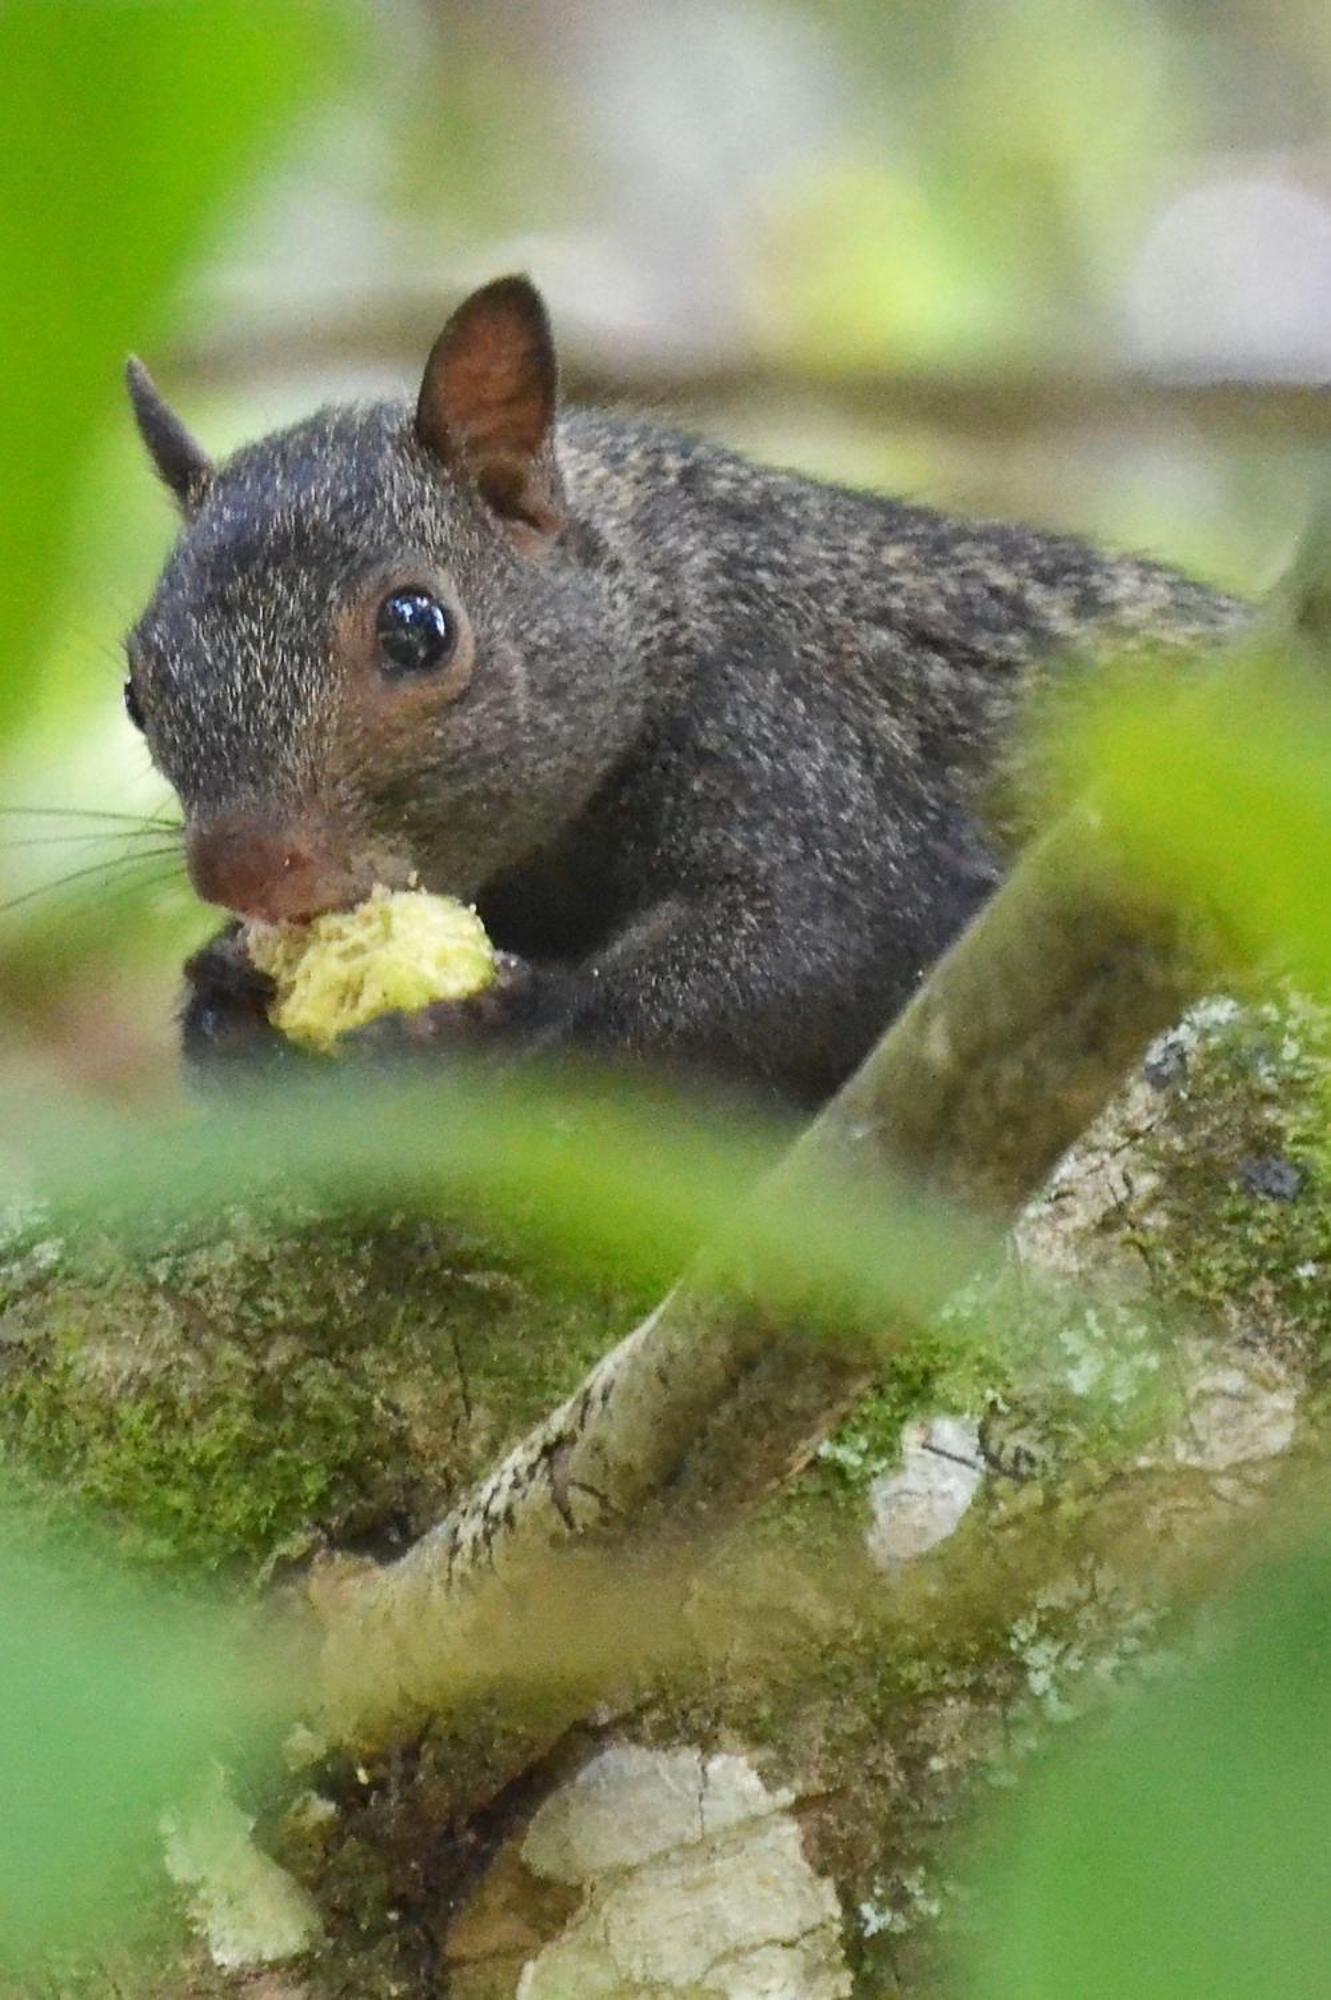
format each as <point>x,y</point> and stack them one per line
<point>224,1019</point>
<point>494,1020</point>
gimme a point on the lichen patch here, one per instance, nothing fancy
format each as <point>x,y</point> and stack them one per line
<point>926,1499</point>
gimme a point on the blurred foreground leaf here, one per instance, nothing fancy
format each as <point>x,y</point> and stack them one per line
<point>127,124</point>
<point>1186,1854</point>
<point>1222,798</point>
<point>609,1180</point>
<point>114,1699</point>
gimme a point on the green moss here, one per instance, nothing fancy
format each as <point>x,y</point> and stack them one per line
<point>1242,1235</point>
<point>957,1366</point>
<point>266,1386</point>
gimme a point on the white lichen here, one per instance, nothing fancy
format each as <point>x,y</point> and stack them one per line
<point>1113,1361</point>
<point>925,1500</point>
<point>901,1906</point>
<point>1083,1635</point>
<point>249,1911</point>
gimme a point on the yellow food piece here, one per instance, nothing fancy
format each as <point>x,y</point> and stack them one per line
<point>393,954</point>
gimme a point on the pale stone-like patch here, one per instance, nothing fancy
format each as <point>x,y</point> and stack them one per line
<point>250,1911</point>
<point>1240,1410</point>
<point>925,1499</point>
<point>631,1803</point>
<point>694,1881</point>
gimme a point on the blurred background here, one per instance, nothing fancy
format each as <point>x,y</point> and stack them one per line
<point>1062,259</point>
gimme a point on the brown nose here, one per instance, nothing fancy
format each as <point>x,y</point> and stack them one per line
<point>280,874</point>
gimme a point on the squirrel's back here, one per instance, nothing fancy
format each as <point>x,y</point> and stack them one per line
<point>822,555</point>
<point>926,631</point>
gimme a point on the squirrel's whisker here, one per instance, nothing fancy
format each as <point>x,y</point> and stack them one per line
<point>83,839</point>
<point>112,867</point>
<point>148,821</point>
<point>139,885</point>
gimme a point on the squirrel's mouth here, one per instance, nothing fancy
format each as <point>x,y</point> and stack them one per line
<point>277,872</point>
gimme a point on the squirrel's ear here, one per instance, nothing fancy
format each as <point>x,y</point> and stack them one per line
<point>487,401</point>
<point>183,464</point>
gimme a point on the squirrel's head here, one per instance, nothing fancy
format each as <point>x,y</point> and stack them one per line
<point>363,660</point>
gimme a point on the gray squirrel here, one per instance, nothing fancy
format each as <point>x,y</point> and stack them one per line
<point>709,745</point>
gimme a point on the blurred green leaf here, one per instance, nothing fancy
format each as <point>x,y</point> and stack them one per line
<point>1186,1853</point>
<point>127,126</point>
<point>610,1180</point>
<point>1221,797</point>
<point>114,1699</point>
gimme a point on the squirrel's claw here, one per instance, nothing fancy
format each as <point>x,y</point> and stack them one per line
<point>490,1020</point>
<point>228,1035</point>
<point>224,1019</point>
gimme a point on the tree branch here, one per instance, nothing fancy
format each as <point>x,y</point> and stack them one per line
<point>1014,1043</point>
<point>395,336</point>
<point>1017,1039</point>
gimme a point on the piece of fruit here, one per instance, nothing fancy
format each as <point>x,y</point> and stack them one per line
<point>395,953</point>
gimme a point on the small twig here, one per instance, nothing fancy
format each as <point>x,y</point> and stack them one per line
<point>396,334</point>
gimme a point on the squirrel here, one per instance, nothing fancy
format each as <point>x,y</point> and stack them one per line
<point>709,745</point>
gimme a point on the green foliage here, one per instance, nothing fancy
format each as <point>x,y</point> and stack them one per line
<point>1186,1852</point>
<point>126,130</point>
<point>113,1700</point>
<point>1223,799</point>
<point>606,1181</point>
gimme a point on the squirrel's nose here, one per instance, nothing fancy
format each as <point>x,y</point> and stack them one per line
<point>282,874</point>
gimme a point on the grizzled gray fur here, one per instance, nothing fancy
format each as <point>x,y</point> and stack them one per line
<point>718,775</point>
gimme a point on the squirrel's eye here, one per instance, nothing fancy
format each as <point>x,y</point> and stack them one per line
<point>133,706</point>
<point>415,632</point>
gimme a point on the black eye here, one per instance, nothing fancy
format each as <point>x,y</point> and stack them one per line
<point>416,634</point>
<point>133,706</point>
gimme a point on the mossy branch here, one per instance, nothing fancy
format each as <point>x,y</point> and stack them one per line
<point>1017,1039</point>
